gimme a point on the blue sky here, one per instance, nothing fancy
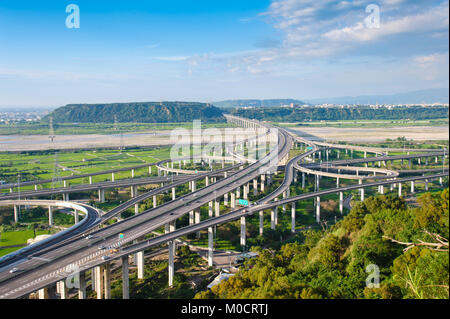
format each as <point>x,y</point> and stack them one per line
<point>213,50</point>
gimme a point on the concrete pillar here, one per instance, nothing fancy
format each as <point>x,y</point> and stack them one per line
<point>243,230</point>
<point>210,246</point>
<point>173,193</point>
<point>412,186</point>
<point>197,219</point>
<point>50,215</point>
<point>66,197</point>
<point>75,215</point>
<point>273,217</point>
<point>191,217</point>
<point>362,194</point>
<point>134,191</point>
<point>382,189</point>
<point>16,213</point>
<point>43,293</point>
<point>82,289</point>
<point>293,217</point>
<point>101,195</point>
<point>255,187</point>
<point>65,183</point>
<point>263,180</point>
<point>341,202</point>
<point>303,180</point>
<point>217,208</point>
<point>233,200</point>
<point>337,182</point>
<point>155,202</point>
<point>107,280</point>
<point>318,209</point>
<point>399,189</point>
<point>171,264</point>
<point>113,177</point>
<point>426,184</point>
<point>63,290</point>
<point>261,222</point>
<point>99,281</point>
<point>125,278</point>
<point>225,199</point>
<point>140,265</point>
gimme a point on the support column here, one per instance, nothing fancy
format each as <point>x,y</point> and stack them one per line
<point>171,264</point>
<point>318,209</point>
<point>82,282</point>
<point>107,280</point>
<point>125,278</point>
<point>210,246</point>
<point>75,215</point>
<point>261,222</point>
<point>412,186</point>
<point>233,200</point>
<point>399,189</point>
<point>16,213</point>
<point>263,180</point>
<point>140,265</point>
<point>50,216</point>
<point>63,290</point>
<point>173,193</point>
<point>225,199</point>
<point>43,293</point>
<point>272,217</point>
<point>99,281</point>
<point>255,187</point>
<point>293,217</point>
<point>341,202</point>
<point>217,208</point>
<point>154,201</point>
<point>191,217</point>
<point>101,195</point>
<point>303,180</point>
<point>243,230</point>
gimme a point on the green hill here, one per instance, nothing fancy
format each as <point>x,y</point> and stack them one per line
<point>143,112</point>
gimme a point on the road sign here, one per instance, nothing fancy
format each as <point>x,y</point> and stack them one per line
<point>121,236</point>
<point>243,202</point>
<point>309,148</point>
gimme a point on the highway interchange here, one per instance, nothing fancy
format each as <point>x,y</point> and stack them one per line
<point>53,262</point>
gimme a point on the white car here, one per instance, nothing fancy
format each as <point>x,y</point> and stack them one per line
<point>14,270</point>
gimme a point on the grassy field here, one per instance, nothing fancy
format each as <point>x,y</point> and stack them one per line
<point>41,165</point>
<point>16,238</point>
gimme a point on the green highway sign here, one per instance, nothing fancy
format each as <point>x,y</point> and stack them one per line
<point>243,202</point>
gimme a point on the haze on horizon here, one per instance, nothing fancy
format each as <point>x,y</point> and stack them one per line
<point>218,50</point>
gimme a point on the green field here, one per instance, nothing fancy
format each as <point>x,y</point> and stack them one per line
<point>16,238</point>
<point>41,165</point>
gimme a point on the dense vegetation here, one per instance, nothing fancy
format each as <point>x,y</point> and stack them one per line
<point>146,112</point>
<point>332,264</point>
<point>284,114</point>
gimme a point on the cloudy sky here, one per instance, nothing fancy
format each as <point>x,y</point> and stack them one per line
<point>201,50</point>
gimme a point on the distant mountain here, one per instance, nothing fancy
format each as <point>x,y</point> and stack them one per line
<point>257,103</point>
<point>429,96</point>
<point>143,112</point>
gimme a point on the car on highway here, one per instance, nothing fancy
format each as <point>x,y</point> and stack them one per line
<point>102,247</point>
<point>89,237</point>
<point>14,270</point>
<point>105,257</point>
